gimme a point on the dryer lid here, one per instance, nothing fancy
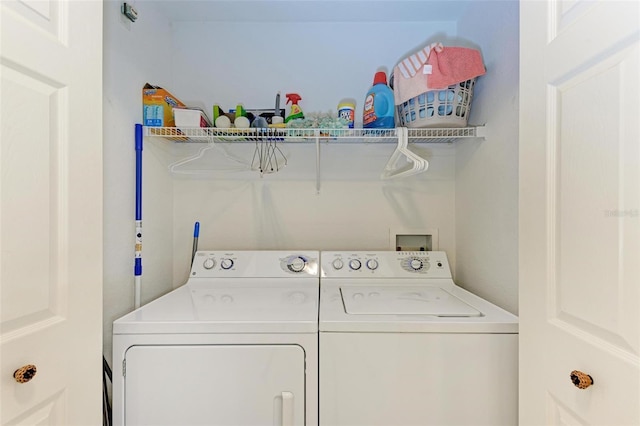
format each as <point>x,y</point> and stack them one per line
<point>418,300</point>
<point>226,309</point>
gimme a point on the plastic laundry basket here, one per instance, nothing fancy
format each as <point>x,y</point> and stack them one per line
<point>448,107</point>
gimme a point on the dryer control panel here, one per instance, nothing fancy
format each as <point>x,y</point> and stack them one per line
<point>255,264</point>
<point>385,264</point>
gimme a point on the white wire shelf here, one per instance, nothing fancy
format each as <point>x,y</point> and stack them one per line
<point>269,158</point>
<point>212,134</point>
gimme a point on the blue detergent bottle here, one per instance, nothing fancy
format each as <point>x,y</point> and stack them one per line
<point>379,107</point>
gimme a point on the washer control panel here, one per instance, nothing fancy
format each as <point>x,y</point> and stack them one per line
<point>385,264</point>
<point>255,264</point>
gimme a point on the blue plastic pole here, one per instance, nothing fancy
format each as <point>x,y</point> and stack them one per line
<point>196,234</point>
<point>137,269</point>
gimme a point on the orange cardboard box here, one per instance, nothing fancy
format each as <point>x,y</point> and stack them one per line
<point>157,106</point>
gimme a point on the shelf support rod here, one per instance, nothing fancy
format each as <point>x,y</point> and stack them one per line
<point>317,133</point>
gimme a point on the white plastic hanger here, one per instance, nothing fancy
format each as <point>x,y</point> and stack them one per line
<point>177,168</point>
<point>417,164</point>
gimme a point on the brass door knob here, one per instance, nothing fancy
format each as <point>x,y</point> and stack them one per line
<point>25,373</point>
<point>581,380</point>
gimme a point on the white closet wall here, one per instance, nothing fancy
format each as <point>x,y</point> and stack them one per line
<point>487,171</point>
<point>131,58</point>
<point>248,62</point>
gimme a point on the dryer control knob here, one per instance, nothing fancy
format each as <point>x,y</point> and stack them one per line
<point>355,264</point>
<point>226,263</point>
<point>337,264</point>
<point>296,264</point>
<point>372,264</point>
<point>209,263</point>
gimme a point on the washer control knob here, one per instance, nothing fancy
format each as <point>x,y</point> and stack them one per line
<point>337,264</point>
<point>355,264</point>
<point>372,264</point>
<point>415,264</point>
<point>226,263</point>
<point>296,264</point>
<point>209,263</point>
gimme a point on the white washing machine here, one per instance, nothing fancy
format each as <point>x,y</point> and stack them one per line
<point>236,345</point>
<point>401,344</point>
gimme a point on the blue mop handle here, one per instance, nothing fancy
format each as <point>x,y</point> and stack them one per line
<point>138,256</point>
<point>196,234</point>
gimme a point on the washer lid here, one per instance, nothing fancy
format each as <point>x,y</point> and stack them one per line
<point>418,300</point>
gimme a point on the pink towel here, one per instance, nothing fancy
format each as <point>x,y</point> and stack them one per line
<point>410,75</point>
<point>453,65</point>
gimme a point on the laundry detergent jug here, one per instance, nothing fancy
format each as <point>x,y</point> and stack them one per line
<point>379,108</point>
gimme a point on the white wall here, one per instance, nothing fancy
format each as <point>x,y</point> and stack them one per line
<point>487,171</point>
<point>237,62</point>
<point>347,214</point>
<point>131,58</point>
<point>249,62</point>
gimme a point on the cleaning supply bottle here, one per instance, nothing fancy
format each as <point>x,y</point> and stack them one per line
<point>347,111</point>
<point>379,106</point>
<point>296,111</point>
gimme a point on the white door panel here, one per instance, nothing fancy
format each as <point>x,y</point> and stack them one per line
<point>215,384</point>
<point>31,187</point>
<point>592,177</point>
<point>579,212</point>
<point>51,210</point>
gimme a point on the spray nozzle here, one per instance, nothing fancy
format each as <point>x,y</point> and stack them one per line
<point>293,98</point>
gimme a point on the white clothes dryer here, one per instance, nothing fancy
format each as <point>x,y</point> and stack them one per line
<point>401,344</point>
<point>236,345</point>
